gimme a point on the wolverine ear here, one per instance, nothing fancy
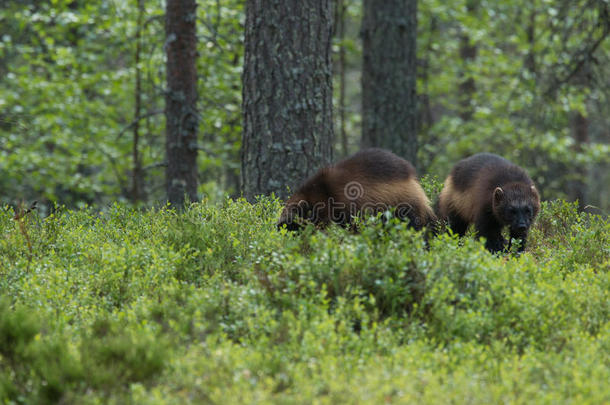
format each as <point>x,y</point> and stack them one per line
<point>498,195</point>
<point>303,205</point>
<point>303,208</point>
<point>534,190</point>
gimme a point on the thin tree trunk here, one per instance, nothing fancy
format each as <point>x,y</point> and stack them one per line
<point>340,9</point>
<point>180,101</point>
<point>389,113</point>
<point>468,53</point>
<point>287,94</point>
<point>137,189</point>
<point>425,119</point>
<point>580,131</point>
<point>530,32</point>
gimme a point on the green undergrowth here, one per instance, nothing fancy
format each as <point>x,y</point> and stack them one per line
<point>214,305</point>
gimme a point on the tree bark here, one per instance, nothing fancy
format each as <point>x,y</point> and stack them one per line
<point>180,101</point>
<point>137,184</point>
<point>340,11</point>
<point>530,32</point>
<point>287,94</point>
<point>389,114</point>
<point>425,117</point>
<point>580,132</point>
<point>468,53</point>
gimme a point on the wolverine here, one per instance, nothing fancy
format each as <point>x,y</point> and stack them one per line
<point>371,181</point>
<point>490,192</point>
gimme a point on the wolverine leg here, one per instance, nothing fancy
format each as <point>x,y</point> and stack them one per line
<point>522,239</point>
<point>457,224</point>
<point>492,232</point>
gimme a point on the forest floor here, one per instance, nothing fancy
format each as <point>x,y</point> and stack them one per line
<point>214,305</point>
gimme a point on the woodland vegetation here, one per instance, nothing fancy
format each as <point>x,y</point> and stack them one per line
<point>215,306</point>
<point>109,109</point>
<point>84,85</point>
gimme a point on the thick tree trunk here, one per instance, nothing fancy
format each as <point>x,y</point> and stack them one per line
<point>180,101</point>
<point>287,94</point>
<point>389,114</point>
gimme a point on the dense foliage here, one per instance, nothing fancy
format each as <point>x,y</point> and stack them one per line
<point>213,305</point>
<point>67,99</point>
<point>512,77</point>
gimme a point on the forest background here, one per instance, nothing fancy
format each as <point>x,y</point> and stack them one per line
<point>82,91</point>
<point>119,303</point>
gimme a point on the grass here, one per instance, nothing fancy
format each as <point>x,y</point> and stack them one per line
<point>214,305</point>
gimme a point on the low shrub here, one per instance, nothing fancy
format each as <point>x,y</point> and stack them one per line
<point>214,305</point>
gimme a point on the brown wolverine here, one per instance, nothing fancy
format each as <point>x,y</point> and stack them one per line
<point>490,192</point>
<point>373,180</point>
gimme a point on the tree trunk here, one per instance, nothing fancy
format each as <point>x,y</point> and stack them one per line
<point>580,131</point>
<point>180,101</point>
<point>530,33</point>
<point>287,94</point>
<point>425,117</point>
<point>137,184</point>
<point>468,53</point>
<point>389,114</point>
<point>340,12</point>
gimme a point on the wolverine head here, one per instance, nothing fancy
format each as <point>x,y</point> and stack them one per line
<point>516,205</point>
<point>295,213</point>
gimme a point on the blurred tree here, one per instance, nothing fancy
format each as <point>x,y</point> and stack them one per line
<point>180,99</point>
<point>137,184</point>
<point>68,97</point>
<point>468,53</point>
<point>389,114</point>
<point>524,104</point>
<point>61,100</point>
<point>287,94</point>
<point>580,131</point>
<point>339,33</point>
